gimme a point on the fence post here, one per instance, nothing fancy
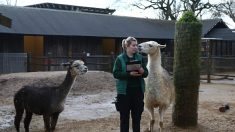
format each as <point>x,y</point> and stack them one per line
<point>209,60</point>
<point>112,58</point>
<point>28,62</point>
<point>84,57</point>
<point>49,61</point>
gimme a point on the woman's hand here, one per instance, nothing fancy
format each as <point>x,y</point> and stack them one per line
<point>135,73</point>
<point>141,71</point>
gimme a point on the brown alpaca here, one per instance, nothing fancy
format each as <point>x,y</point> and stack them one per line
<point>47,101</point>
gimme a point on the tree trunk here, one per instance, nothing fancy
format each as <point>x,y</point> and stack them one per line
<point>186,73</point>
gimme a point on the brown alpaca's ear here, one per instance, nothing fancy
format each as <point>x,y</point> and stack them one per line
<point>71,62</point>
<point>65,64</point>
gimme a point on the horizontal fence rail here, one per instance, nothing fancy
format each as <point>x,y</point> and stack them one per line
<point>215,64</point>
<point>93,62</point>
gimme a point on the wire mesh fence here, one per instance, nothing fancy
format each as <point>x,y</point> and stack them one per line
<point>13,62</point>
<point>23,62</point>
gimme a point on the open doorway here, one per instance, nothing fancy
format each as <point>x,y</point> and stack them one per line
<point>108,46</point>
<point>33,45</point>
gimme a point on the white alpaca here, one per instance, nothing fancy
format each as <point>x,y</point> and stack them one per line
<point>159,91</point>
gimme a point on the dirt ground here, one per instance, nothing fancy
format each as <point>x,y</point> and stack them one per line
<point>89,105</point>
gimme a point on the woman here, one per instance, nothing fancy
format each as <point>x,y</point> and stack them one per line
<point>130,84</point>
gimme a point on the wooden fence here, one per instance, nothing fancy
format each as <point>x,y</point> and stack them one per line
<point>22,62</point>
<point>93,62</point>
<point>216,66</point>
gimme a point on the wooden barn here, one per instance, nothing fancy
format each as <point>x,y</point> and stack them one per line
<point>65,30</point>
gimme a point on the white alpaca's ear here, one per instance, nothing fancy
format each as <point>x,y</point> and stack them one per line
<point>162,46</point>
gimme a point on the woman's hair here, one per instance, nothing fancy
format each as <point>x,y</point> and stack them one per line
<point>127,42</point>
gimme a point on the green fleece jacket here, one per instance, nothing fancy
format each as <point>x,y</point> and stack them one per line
<point>119,72</point>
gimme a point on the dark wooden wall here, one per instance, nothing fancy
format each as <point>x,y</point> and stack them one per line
<point>71,46</point>
<point>223,48</point>
<point>11,44</point>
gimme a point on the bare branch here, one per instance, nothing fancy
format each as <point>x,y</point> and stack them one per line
<point>172,8</point>
<point>225,8</point>
<point>167,8</point>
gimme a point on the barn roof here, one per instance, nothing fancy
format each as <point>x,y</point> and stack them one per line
<point>39,21</point>
<point>222,33</point>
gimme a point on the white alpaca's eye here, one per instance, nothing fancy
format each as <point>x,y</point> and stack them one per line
<point>150,45</point>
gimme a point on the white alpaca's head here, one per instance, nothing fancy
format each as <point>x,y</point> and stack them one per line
<point>150,47</point>
<point>76,67</point>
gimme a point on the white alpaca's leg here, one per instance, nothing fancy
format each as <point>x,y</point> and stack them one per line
<point>161,113</point>
<point>151,112</point>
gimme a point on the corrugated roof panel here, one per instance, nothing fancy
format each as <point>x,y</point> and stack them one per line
<point>36,21</point>
<point>53,22</point>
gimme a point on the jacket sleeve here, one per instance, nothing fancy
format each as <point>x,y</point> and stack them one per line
<point>145,69</point>
<point>117,70</point>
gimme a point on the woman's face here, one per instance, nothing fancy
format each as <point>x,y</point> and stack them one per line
<point>132,48</point>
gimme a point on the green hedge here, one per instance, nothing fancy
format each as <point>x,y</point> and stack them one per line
<point>187,69</point>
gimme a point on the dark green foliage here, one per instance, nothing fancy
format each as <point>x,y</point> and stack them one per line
<point>188,17</point>
<point>187,70</point>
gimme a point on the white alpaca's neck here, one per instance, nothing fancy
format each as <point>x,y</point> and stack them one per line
<point>155,72</point>
<point>154,63</point>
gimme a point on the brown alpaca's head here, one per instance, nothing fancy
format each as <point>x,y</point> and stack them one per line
<point>76,67</point>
